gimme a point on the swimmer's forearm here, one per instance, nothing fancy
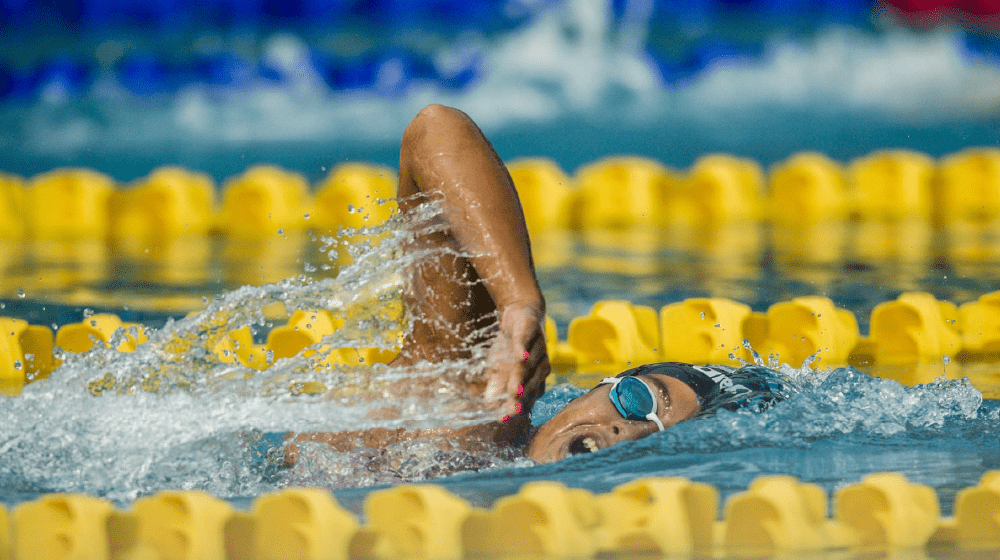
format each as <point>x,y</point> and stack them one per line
<point>480,203</point>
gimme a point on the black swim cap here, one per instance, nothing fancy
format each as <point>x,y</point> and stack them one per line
<point>718,387</point>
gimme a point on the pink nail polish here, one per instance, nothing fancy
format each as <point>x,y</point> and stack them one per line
<point>517,408</point>
<point>520,391</point>
<point>505,419</point>
<point>526,354</point>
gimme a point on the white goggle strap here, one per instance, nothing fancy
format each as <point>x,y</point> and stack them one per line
<point>652,417</point>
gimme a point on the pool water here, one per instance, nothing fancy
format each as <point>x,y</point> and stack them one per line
<point>174,415</point>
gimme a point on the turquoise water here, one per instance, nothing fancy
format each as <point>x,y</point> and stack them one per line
<point>182,419</point>
<point>843,92</point>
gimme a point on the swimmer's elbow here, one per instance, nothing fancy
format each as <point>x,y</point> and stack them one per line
<point>432,122</point>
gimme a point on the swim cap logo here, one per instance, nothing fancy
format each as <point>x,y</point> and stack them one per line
<point>723,381</point>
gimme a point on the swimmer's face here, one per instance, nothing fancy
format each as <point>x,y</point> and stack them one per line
<point>590,422</point>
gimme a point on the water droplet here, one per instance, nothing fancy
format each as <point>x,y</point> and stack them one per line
<point>702,315</point>
<point>281,231</point>
<point>18,365</point>
<point>306,216</point>
<point>20,293</point>
<point>322,168</point>
<point>718,325</point>
<point>87,313</point>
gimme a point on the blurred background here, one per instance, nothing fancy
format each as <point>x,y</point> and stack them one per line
<point>123,86</point>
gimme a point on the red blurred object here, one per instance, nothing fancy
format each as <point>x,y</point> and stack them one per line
<point>978,14</point>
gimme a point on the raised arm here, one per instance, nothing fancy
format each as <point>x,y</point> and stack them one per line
<point>445,156</point>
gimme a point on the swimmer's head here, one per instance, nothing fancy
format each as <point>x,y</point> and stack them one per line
<point>595,420</point>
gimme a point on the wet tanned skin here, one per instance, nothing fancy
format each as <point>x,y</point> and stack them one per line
<point>445,157</point>
<point>592,417</point>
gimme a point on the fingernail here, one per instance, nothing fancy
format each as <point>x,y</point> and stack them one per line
<point>526,354</point>
<point>520,391</point>
<point>517,408</point>
<point>505,419</point>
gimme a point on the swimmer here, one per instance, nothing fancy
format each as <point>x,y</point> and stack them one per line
<point>445,157</point>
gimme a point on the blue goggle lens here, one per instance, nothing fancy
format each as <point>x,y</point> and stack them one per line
<point>633,398</point>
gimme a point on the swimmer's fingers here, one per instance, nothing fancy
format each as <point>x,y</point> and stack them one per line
<point>522,362</point>
<point>502,380</point>
<point>536,367</point>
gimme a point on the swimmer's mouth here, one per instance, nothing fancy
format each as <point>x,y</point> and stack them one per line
<point>583,444</point>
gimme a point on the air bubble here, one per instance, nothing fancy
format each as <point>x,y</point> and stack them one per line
<point>20,293</point>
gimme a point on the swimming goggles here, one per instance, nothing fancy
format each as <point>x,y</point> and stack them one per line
<point>634,399</point>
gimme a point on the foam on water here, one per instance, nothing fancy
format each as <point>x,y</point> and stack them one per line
<point>173,414</point>
<point>838,404</point>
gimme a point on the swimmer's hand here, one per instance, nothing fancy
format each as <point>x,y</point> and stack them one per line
<point>519,361</point>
